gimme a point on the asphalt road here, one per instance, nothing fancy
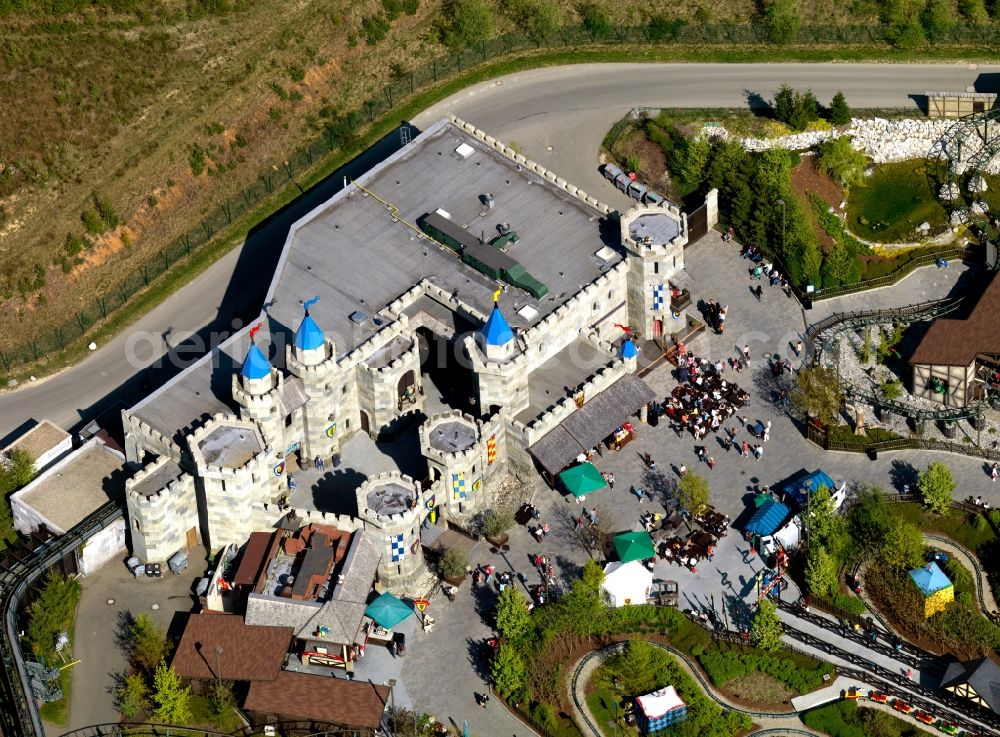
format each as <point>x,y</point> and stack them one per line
<point>558,116</point>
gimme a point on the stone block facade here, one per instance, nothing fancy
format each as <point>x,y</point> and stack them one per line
<point>160,521</point>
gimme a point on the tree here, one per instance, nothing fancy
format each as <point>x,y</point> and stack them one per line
<point>691,165</point>
<point>595,20</point>
<point>817,393</point>
<point>824,524</point>
<point>513,618</point>
<point>936,485</point>
<point>466,22</point>
<point>132,699</point>
<point>496,523</point>
<point>693,494</point>
<point>538,18</point>
<point>17,473</point>
<point>52,613</point>
<point>821,572</point>
<point>507,671</point>
<point>840,113</point>
<point>784,103</point>
<point>582,606</point>
<point>149,643</point>
<point>902,546</point>
<point>766,630</point>
<point>935,19</point>
<point>171,700</point>
<point>453,563</point>
<point>804,111</point>
<point>839,159</point>
<point>974,11</point>
<point>781,21</point>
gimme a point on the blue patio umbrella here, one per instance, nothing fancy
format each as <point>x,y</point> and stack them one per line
<point>388,611</point>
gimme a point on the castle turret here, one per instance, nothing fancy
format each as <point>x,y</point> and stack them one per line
<point>496,336</point>
<point>456,452</point>
<point>311,358</point>
<point>256,371</point>
<point>257,389</point>
<point>396,506</point>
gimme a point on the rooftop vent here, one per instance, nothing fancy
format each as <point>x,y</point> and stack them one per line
<point>464,151</point>
<point>443,213</point>
<point>528,312</point>
<point>606,254</point>
<point>357,317</point>
<point>488,200</point>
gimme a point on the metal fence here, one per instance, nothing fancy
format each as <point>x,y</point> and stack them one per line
<point>342,139</point>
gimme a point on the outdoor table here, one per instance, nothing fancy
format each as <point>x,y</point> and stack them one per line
<point>702,539</point>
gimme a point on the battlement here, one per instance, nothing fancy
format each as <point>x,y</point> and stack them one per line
<point>566,406</point>
<point>227,445</point>
<point>143,491</point>
<point>311,372</point>
<point>267,515</point>
<point>258,402</point>
<point>662,244</point>
<point>472,427</point>
<point>398,514</point>
<point>146,432</point>
<point>537,168</point>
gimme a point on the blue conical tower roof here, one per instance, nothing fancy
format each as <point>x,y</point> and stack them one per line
<point>255,365</point>
<point>496,330</point>
<point>309,336</point>
<point>628,349</point>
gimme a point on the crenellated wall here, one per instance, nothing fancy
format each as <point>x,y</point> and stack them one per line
<point>142,438</point>
<point>262,406</point>
<point>403,527</point>
<point>320,422</point>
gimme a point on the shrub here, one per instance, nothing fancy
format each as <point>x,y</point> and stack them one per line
<point>594,19</point>
<point>892,389</point>
<point>92,222</point>
<point>410,7</point>
<point>840,113</point>
<point>196,159</point>
<point>375,27</point>
<point>841,161</point>
<point>935,19</point>
<point>453,563</point>
<point>393,8</point>
<point>781,21</point>
<point>724,666</point>
<point>495,523</point>
<point>296,73</point>
<point>538,18</point>
<point>466,22</point>
<point>973,11</point>
<point>106,211</point>
<point>661,27</point>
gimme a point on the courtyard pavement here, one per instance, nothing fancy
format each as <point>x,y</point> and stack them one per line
<point>446,669</point>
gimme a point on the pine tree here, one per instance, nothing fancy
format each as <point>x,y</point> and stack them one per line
<point>784,103</point>
<point>171,699</point>
<point>840,113</point>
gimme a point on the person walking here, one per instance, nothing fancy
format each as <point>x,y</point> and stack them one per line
<point>798,348</point>
<point>745,449</point>
<point>611,481</point>
<point>758,451</point>
<point>767,430</point>
<point>546,529</point>
<point>994,472</point>
<point>711,463</point>
<point>746,353</point>
<point>682,471</point>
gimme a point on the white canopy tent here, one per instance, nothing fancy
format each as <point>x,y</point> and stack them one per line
<point>626,583</point>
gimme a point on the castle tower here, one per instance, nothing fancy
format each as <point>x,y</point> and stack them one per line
<point>497,339</point>
<point>654,238</point>
<point>235,469</point>
<point>311,358</point>
<point>395,505</point>
<point>630,354</point>
<point>257,389</point>
<point>456,453</point>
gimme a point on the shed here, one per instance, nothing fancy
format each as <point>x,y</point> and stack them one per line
<point>626,583</point>
<point>46,442</point>
<point>935,586</point>
<point>660,709</point>
<point>768,518</point>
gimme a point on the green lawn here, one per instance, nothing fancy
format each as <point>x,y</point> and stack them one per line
<point>846,719</point>
<point>602,705</point>
<point>968,530</point>
<point>892,202</point>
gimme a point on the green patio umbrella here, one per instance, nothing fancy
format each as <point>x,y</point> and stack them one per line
<point>583,479</point>
<point>636,545</point>
<point>388,611</point>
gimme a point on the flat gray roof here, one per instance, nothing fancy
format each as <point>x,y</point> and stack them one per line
<point>40,439</point>
<point>229,446</point>
<point>561,376</point>
<point>74,488</point>
<point>389,498</point>
<point>659,227</point>
<point>358,255</point>
<point>167,472</point>
<point>452,436</point>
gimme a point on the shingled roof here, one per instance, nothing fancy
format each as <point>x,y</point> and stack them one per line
<point>982,675</point>
<point>957,342</point>
<point>336,701</point>
<point>247,653</point>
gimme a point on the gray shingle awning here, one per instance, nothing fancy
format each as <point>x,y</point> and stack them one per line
<point>593,422</point>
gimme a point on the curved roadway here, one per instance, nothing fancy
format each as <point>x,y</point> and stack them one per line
<point>557,115</point>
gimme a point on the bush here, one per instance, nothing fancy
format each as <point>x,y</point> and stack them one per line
<point>725,666</point>
<point>538,18</point>
<point>375,27</point>
<point>92,222</point>
<point>453,563</point>
<point>467,22</point>
<point>781,21</point>
<point>840,113</point>
<point>393,8</point>
<point>495,523</point>
<point>106,211</point>
<point>661,27</point>
<point>594,19</point>
<point>841,161</point>
<point>196,159</point>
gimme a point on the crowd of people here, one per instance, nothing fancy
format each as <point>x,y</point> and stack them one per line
<point>703,400</point>
<point>764,271</point>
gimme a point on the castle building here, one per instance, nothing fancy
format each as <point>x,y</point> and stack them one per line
<point>444,301</point>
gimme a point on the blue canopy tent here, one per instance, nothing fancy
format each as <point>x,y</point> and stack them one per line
<point>810,483</point>
<point>768,518</point>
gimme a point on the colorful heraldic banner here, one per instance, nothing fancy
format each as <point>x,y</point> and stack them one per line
<point>458,485</point>
<point>491,450</point>
<point>279,469</point>
<point>331,430</point>
<point>659,296</point>
<point>430,502</point>
<point>476,484</point>
<point>396,547</point>
<point>415,547</point>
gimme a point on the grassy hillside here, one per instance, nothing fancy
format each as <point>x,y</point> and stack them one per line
<point>125,121</point>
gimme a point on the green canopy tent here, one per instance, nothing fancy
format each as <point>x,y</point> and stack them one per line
<point>583,479</point>
<point>388,611</point>
<point>636,545</point>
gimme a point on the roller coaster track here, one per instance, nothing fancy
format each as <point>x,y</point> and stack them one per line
<point>18,713</point>
<point>967,146</point>
<point>827,332</point>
